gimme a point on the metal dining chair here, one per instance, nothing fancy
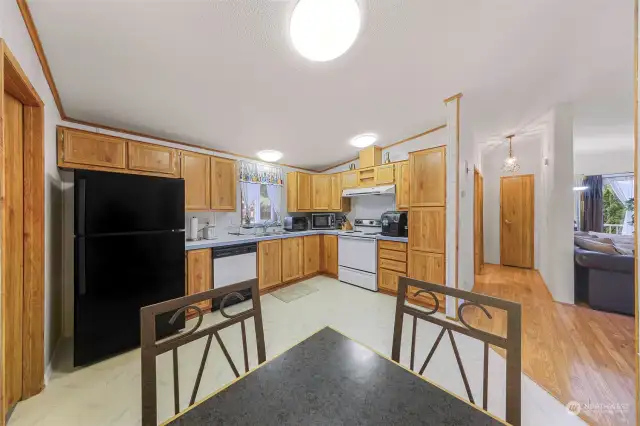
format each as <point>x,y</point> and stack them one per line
<point>150,348</point>
<point>512,343</point>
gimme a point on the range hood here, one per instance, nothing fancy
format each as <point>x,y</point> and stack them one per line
<point>374,190</point>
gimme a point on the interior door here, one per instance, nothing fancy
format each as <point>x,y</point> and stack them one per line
<point>13,254</point>
<point>478,219</point>
<point>516,221</point>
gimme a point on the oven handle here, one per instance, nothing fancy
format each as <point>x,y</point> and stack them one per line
<point>373,240</point>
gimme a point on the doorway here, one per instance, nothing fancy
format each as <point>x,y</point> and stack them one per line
<point>516,221</point>
<point>21,236</point>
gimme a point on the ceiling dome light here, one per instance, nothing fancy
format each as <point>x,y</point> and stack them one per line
<point>362,141</point>
<point>322,30</point>
<point>269,155</point>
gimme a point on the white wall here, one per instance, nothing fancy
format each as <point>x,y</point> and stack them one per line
<point>556,228</point>
<point>603,162</point>
<point>14,32</point>
<point>528,150</point>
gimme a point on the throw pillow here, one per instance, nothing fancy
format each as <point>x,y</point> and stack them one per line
<point>592,245</point>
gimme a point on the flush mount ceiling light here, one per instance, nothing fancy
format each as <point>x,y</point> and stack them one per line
<point>269,155</point>
<point>511,163</point>
<point>362,141</point>
<point>322,30</point>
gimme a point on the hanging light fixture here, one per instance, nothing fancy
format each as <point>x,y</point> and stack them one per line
<point>511,163</point>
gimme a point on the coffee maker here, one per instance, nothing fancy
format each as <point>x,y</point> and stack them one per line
<point>394,224</point>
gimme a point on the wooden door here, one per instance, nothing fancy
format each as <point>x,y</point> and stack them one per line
<point>292,258</point>
<point>199,278</point>
<point>427,171</point>
<point>402,186</point>
<point>269,263</point>
<point>197,178</point>
<point>223,184</point>
<point>516,221</point>
<point>335,203</point>
<point>385,175</point>
<point>321,192</point>
<point>478,226</point>
<point>304,192</point>
<point>311,254</point>
<point>79,148</point>
<point>350,179</point>
<point>427,229</point>
<point>292,192</point>
<point>13,253</point>
<point>329,257</point>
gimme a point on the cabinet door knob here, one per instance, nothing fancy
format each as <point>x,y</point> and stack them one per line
<point>508,222</point>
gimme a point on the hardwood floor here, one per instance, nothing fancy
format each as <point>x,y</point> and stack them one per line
<point>575,353</point>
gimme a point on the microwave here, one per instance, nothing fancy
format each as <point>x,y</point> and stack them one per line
<point>323,221</point>
<point>295,223</point>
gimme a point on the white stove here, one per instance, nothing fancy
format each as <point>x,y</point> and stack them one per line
<point>357,254</point>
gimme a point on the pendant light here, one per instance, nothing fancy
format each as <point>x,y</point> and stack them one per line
<point>511,163</point>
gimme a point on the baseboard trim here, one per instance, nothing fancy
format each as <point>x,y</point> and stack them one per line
<point>48,371</point>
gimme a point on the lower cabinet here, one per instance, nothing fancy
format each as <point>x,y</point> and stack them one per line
<point>392,264</point>
<point>292,258</point>
<point>429,267</point>
<point>311,254</point>
<point>388,280</point>
<point>198,277</point>
<point>329,254</point>
<point>269,263</point>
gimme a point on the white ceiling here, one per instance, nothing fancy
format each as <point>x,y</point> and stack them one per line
<point>224,74</point>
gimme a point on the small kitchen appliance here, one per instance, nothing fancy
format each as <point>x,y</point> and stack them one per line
<point>394,224</point>
<point>293,224</point>
<point>323,221</point>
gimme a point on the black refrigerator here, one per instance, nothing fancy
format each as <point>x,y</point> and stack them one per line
<point>129,253</point>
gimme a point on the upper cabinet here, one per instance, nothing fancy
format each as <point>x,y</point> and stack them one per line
<point>402,186</point>
<point>321,187</point>
<point>145,157</point>
<point>428,176</point>
<point>223,184</point>
<point>385,175</point>
<point>196,172</point>
<point>349,179</point>
<point>304,191</point>
<point>370,156</point>
<point>78,149</point>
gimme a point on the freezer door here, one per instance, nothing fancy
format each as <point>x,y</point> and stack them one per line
<point>108,203</point>
<point>115,276</point>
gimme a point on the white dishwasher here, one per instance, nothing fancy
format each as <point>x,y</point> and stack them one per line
<point>234,264</point>
<point>357,261</point>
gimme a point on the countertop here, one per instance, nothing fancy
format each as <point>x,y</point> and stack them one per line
<point>225,240</point>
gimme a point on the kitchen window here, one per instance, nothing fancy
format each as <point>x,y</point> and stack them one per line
<point>261,193</point>
<point>256,204</point>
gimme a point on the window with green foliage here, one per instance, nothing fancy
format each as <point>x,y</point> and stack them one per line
<point>612,209</point>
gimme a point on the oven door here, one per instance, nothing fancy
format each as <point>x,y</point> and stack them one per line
<point>323,221</point>
<point>357,253</point>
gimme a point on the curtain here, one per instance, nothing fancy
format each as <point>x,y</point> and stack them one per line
<point>260,173</point>
<point>275,196</point>
<point>593,216</point>
<point>623,187</point>
<point>578,218</point>
<point>252,177</point>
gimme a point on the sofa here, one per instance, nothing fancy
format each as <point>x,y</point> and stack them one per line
<point>605,280</point>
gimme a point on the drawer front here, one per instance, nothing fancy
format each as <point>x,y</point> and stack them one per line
<point>398,256</point>
<point>393,265</point>
<point>392,245</point>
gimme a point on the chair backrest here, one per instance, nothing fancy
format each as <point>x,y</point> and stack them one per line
<point>512,343</point>
<point>150,348</point>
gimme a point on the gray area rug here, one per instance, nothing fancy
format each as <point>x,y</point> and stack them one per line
<point>294,292</point>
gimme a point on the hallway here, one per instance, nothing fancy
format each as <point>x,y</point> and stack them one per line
<point>575,353</point>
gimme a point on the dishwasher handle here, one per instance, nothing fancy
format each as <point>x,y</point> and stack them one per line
<point>238,250</point>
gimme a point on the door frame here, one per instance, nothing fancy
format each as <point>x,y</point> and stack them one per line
<point>533,217</point>
<point>14,81</point>
<point>478,222</point>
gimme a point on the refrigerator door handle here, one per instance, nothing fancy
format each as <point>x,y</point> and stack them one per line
<point>82,279</point>
<point>82,193</point>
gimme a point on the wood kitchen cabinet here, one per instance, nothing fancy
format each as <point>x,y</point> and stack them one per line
<point>198,277</point>
<point>196,172</point>
<point>78,149</point>
<point>337,202</point>
<point>292,258</point>
<point>392,264</point>
<point>145,157</point>
<point>321,192</point>
<point>298,192</point>
<point>349,179</point>
<point>427,229</point>
<point>269,263</point>
<point>329,254</point>
<point>388,280</point>
<point>311,254</point>
<point>385,175</point>
<point>223,184</point>
<point>429,267</point>
<point>428,177</point>
<point>402,186</point>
